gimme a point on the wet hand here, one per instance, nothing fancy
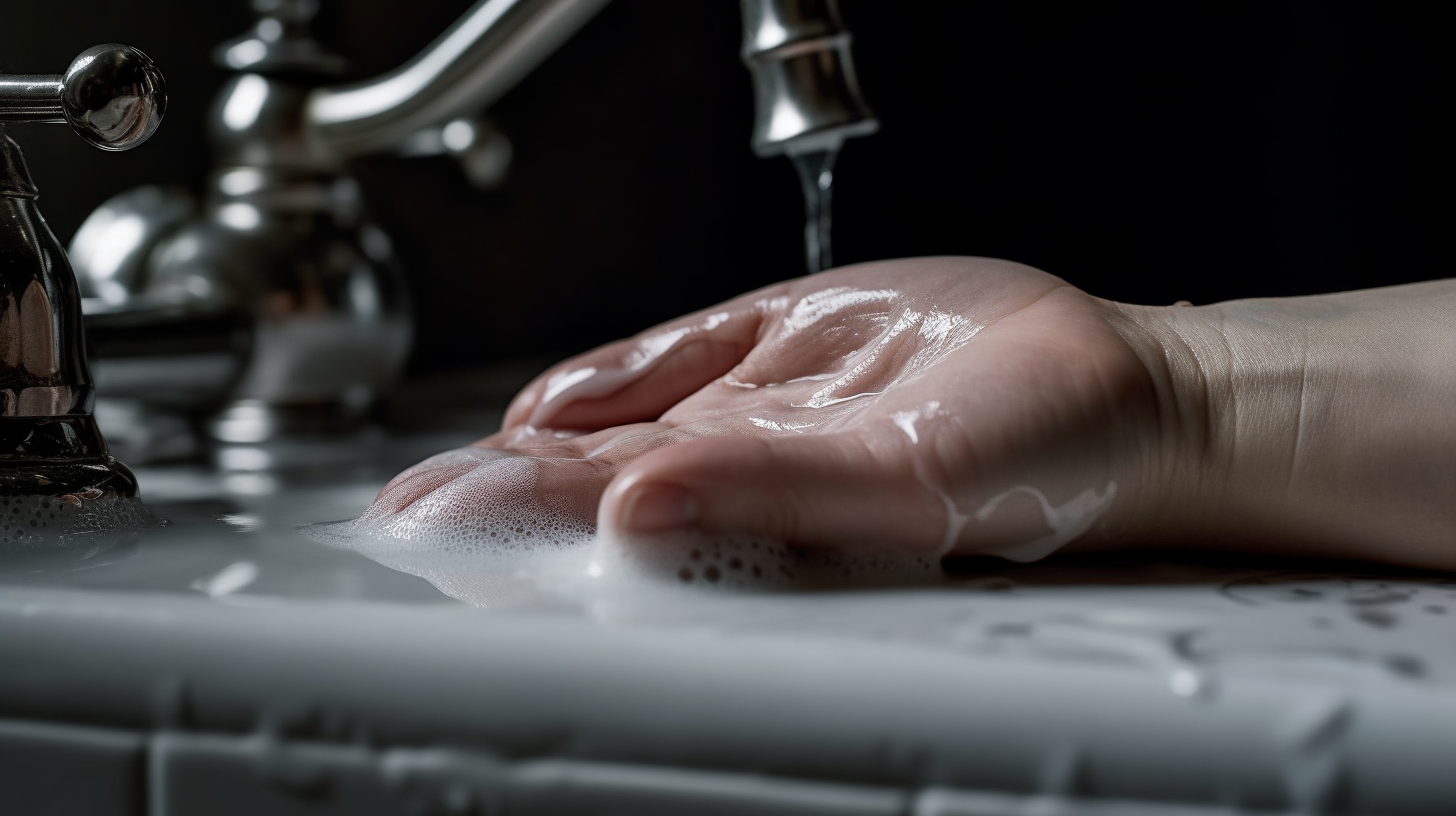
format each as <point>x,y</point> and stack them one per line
<point>930,406</point>
<point>959,405</point>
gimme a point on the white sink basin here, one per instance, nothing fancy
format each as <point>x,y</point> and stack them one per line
<point>231,665</point>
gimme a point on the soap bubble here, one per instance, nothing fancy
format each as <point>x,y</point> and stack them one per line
<point>481,525</point>
<point>68,529</point>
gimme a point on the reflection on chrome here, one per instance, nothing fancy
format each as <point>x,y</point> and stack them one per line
<point>63,499</point>
<point>306,317</point>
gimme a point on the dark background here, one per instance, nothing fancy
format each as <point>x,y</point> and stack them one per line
<point>1147,152</point>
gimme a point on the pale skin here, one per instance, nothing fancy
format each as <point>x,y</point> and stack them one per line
<point>944,406</point>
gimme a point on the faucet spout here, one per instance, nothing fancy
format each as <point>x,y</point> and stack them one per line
<point>806,94</point>
<point>484,54</point>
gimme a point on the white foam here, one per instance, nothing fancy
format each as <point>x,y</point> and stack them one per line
<point>478,525</point>
<point>1066,521</point>
<point>467,520</point>
<point>38,522</point>
<point>905,420</point>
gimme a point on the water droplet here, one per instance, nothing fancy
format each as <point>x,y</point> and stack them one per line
<point>1379,618</point>
<point>1185,682</point>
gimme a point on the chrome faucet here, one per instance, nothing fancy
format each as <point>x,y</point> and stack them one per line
<point>293,308</point>
<point>55,469</point>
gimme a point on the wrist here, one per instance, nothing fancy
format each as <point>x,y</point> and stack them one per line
<point>1314,425</point>
<point>1186,452</point>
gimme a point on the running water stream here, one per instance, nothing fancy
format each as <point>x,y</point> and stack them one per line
<point>816,176</point>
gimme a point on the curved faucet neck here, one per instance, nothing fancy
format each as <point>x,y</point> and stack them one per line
<point>490,48</point>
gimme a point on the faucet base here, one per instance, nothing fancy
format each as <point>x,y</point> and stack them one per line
<point>71,483</point>
<point>68,515</point>
<point>64,501</point>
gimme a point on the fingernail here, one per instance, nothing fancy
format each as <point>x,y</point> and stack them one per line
<point>658,508</point>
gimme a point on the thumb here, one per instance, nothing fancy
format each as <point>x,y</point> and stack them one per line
<point>831,490</point>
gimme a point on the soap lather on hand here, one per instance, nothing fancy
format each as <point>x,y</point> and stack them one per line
<point>949,406</point>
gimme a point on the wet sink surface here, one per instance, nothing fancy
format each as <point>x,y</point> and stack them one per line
<point>233,534</point>
<point>1211,683</point>
<point>241,524</point>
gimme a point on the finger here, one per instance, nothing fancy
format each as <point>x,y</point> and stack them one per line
<point>571,473</point>
<point>473,483</point>
<point>636,380</point>
<point>429,475</point>
<point>830,490</point>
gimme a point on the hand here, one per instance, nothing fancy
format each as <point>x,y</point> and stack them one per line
<point>957,406</point>
<point>928,406</point>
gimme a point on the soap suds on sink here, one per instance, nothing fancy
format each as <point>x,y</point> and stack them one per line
<point>68,530</point>
<point>468,521</point>
<point>474,523</point>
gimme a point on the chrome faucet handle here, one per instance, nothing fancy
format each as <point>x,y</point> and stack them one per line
<point>112,95</point>
<point>55,469</point>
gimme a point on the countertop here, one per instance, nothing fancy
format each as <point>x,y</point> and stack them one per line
<point>226,663</point>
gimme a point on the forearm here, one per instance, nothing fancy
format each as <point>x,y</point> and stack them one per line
<point>1323,425</point>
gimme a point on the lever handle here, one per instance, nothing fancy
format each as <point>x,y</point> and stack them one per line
<point>112,95</point>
